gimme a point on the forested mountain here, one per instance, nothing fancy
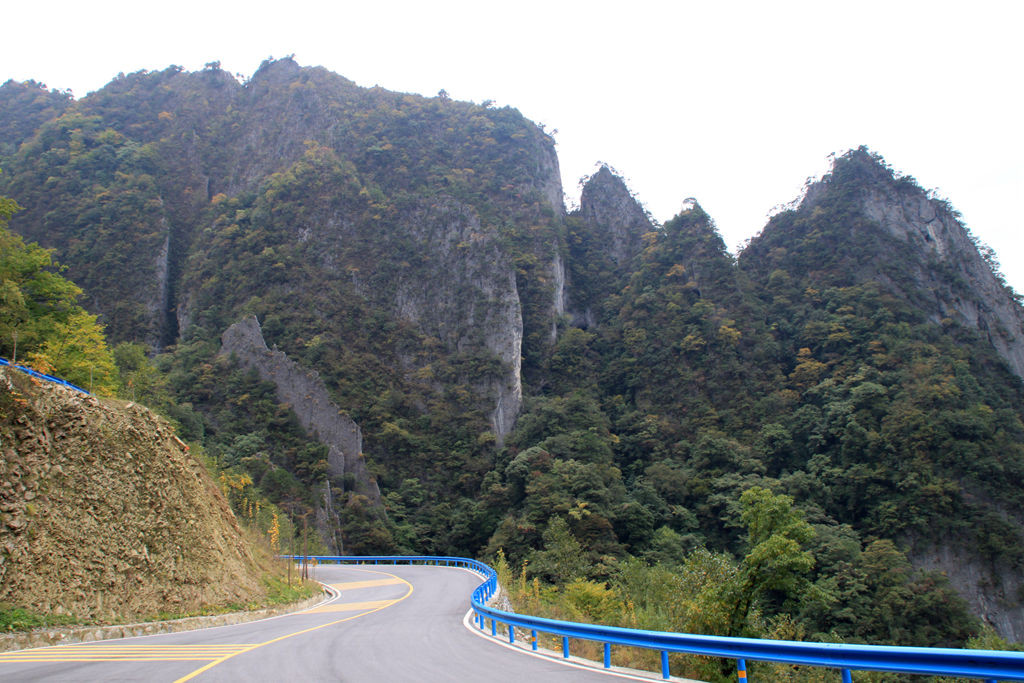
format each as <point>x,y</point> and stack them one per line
<point>594,394</point>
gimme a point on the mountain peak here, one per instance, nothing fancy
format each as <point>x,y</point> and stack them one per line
<point>286,67</point>
<point>865,222</point>
<point>609,208</point>
<point>864,163</point>
<point>856,169</point>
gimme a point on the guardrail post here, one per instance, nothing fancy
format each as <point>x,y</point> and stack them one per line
<point>565,647</point>
<point>664,664</point>
<point>847,678</point>
<point>607,655</point>
<point>494,626</point>
<point>741,670</point>
<point>533,640</point>
<point>511,633</point>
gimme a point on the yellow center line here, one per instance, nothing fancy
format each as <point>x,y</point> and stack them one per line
<point>121,652</point>
<point>114,652</point>
<point>223,659</point>
<point>351,585</point>
<point>71,658</point>
<point>92,647</point>
<point>349,606</point>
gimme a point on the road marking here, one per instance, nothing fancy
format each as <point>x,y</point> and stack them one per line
<point>349,606</point>
<point>104,652</point>
<point>352,585</point>
<point>120,651</point>
<point>469,622</point>
<point>221,660</point>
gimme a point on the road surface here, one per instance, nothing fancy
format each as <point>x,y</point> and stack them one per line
<point>387,623</point>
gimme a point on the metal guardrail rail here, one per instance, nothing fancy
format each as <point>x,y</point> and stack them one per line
<point>988,665</point>
<point>40,375</point>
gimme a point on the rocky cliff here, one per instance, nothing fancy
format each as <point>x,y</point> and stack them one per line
<point>939,267</point>
<point>471,303</point>
<point>993,590</point>
<point>309,399</point>
<point>610,211</point>
<point>104,515</point>
<point>604,239</point>
<point>158,150</point>
<point>961,283</point>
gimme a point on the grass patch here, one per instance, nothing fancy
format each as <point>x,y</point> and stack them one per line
<point>280,593</point>
<point>18,619</point>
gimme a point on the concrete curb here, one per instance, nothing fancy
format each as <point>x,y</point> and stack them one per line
<point>45,637</point>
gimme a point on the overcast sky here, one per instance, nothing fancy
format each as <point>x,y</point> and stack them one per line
<point>734,103</point>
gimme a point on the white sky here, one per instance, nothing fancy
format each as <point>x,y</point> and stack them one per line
<point>734,103</point>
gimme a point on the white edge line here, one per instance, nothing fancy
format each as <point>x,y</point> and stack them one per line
<point>576,663</point>
<point>332,595</point>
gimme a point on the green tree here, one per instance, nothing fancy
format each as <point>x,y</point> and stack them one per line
<point>776,564</point>
<point>32,296</point>
<point>39,318</point>
<point>77,351</point>
<point>562,560</point>
<point>140,378</point>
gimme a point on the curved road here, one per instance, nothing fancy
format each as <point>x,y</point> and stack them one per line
<point>393,623</point>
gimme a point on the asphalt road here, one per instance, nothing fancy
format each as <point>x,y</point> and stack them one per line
<point>387,623</point>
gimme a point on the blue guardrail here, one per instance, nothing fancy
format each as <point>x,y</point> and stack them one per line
<point>40,375</point>
<point>988,665</point>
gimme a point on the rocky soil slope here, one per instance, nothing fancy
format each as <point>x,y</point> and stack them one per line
<point>105,515</point>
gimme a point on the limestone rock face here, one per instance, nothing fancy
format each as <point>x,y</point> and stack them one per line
<point>611,225</point>
<point>992,592</point>
<point>609,210</point>
<point>940,270</point>
<point>471,303</point>
<point>308,398</point>
<point>973,296</point>
<point>547,174</point>
<point>283,106</point>
<point>105,515</point>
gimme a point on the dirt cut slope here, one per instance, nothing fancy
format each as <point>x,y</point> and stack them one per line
<point>104,514</point>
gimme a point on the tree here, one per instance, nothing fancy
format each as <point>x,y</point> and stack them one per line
<point>77,351</point>
<point>562,560</point>
<point>40,319</point>
<point>32,298</point>
<point>140,379</point>
<point>776,564</point>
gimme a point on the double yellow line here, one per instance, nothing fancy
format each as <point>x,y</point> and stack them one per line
<point>386,604</point>
<point>153,652</point>
<point>119,652</point>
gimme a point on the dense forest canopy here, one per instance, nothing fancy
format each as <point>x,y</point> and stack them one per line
<point>801,436</point>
